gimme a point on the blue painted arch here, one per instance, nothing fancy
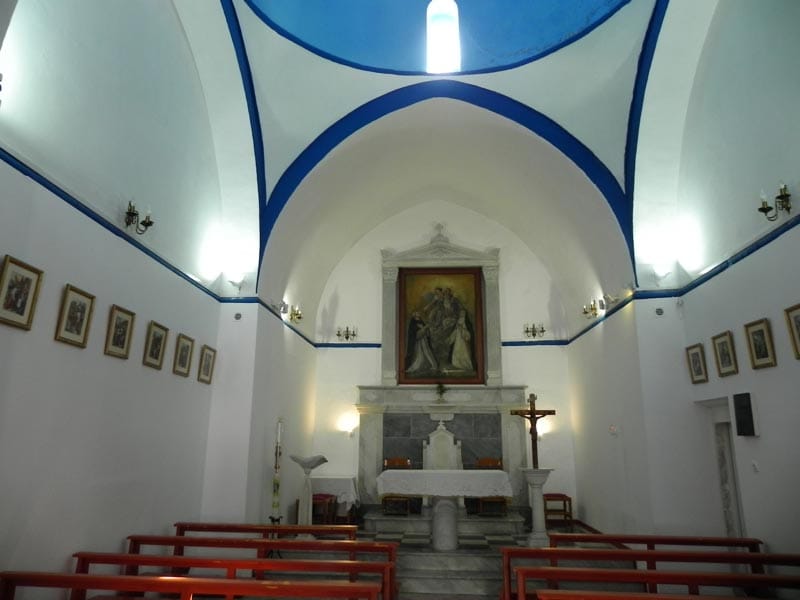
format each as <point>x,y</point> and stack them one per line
<point>390,102</point>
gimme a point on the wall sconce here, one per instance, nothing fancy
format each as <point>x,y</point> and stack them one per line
<point>348,422</point>
<point>132,220</point>
<point>590,312</point>
<point>295,314</point>
<point>347,334</point>
<point>782,202</point>
<point>533,331</point>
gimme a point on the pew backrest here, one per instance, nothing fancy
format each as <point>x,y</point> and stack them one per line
<point>652,542</point>
<point>692,580</point>
<point>187,587</point>
<point>232,567</point>
<point>756,561</point>
<point>601,595</point>
<point>268,531</point>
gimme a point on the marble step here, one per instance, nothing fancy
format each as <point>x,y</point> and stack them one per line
<point>473,575</point>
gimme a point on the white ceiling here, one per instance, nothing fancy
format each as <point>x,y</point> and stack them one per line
<point>147,101</point>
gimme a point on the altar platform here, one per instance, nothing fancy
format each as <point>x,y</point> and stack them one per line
<point>393,527</point>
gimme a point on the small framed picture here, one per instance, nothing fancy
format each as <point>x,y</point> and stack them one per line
<point>793,321</point>
<point>19,290</point>
<point>182,363</point>
<point>205,370</point>
<point>120,332</point>
<point>75,317</point>
<point>725,354</point>
<point>155,345</point>
<point>759,344</point>
<point>696,359</point>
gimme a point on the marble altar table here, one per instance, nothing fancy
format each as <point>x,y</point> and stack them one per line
<point>444,486</point>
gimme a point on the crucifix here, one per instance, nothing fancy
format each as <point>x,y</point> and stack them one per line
<point>533,415</point>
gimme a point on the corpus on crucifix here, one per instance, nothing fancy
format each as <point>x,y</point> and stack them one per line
<point>533,415</point>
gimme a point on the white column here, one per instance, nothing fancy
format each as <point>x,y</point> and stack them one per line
<point>389,332</point>
<point>536,479</point>
<point>444,524</point>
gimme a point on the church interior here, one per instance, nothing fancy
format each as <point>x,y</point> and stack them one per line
<point>212,213</point>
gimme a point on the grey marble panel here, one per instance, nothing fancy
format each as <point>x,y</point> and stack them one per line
<point>472,450</point>
<point>422,425</point>
<point>462,425</point>
<point>410,448</point>
<point>396,425</point>
<point>487,426</point>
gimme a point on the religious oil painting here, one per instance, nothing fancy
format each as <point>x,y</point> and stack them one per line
<point>155,345</point>
<point>440,319</point>
<point>75,317</point>
<point>120,332</point>
<point>182,363</point>
<point>696,359</point>
<point>205,370</point>
<point>19,290</point>
<point>793,321</point>
<point>725,354</point>
<point>759,344</point>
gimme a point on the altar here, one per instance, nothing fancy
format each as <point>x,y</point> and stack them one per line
<point>444,486</point>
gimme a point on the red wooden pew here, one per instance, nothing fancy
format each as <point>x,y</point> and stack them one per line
<point>231,567</point>
<point>592,595</point>
<point>553,576</point>
<point>187,587</point>
<point>653,541</point>
<point>756,561</point>
<point>268,531</point>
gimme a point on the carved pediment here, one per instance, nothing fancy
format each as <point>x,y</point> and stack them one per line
<point>440,252</point>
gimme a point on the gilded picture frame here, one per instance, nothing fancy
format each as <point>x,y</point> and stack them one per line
<point>182,362</point>
<point>793,323</point>
<point>759,344</point>
<point>725,354</point>
<point>119,332</point>
<point>155,345</point>
<point>205,367</point>
<point>696,361</point>
<point>19,291</point>
<point>74,316</point>
<point>440,326</point>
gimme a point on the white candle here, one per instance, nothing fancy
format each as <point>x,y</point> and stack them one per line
<point>279,432</point>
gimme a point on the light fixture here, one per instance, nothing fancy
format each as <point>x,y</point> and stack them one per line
<point>782,202</point>
<point>590,311</point>
<point>533,331</point>
<point>132,220</point>
<point>346,334</point>
<point>295,314</point>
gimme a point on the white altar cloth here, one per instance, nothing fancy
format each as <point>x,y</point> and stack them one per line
<point>444,483</point>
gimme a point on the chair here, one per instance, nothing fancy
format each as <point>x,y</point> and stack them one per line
<point>323,509</point>
<point>394,504</point>
<point>491,505</point>
<point>562,508</point>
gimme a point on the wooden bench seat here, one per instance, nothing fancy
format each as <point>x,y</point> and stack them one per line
<point>554,576</point>
<point>232,567</point>
<point>187,587</point>
<point>268,531</point>
<point>755,561</point>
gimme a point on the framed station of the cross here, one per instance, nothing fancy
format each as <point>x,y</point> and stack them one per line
<point>440,325</point>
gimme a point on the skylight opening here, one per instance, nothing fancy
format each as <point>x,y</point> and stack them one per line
<point>444,42</point>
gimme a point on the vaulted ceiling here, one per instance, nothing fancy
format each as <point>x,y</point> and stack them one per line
<point>240,123</point>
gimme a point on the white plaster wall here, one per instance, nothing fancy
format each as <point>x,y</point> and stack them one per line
<point>681,455</point>
<point>339,371</point>
<point>283,388</point>
<point>93,448</point>
<point>544,370</point>
<point>742,130</point>
<point>228,451</point>
<point>609,428</point>
<point>766,466</point>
